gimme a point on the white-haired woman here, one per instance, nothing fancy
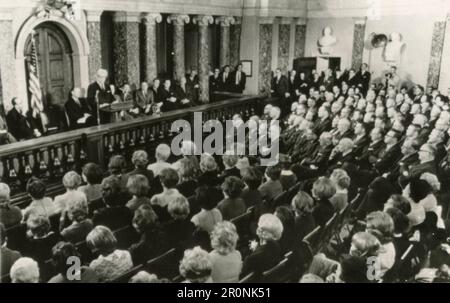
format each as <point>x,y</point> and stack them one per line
<point>196,266</point>
<point>226,260</point>
<point>24,270</point>
<point>266,253</point>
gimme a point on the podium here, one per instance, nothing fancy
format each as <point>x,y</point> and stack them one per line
<point>112,110</point>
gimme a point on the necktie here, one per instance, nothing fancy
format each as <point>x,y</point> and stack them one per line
<point>238,78</point>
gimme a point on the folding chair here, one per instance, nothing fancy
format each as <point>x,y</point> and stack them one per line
<point>165,265</point>
<point>278,274</point>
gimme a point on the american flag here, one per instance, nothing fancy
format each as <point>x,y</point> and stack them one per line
<point>34,86</point>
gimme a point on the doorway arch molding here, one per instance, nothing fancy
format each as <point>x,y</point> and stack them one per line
<point>78,42</point>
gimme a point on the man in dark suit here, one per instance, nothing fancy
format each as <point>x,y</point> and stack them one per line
<point>168,97</point>
<point>352,79</point>
<point>341,154</point>
<point>144,99</point>
<point>370,153</point>
<point>280,90</point>
<point>5,135</point>
<point>239,79</point>
<point>409,158</point>
<point>324,124</point>
<point>7,256</point>
<point>78,111</point>
<point>214,83</point>
<point>294,86</point>
<point>99,91</point>
<point>192,81</point>
<point>225,79</point>
<point>390,154</point>
<point>364,78</point>
<point>18,124</point>
<point>361,139</point>
<point>185,93</point>
<point>427,164</point>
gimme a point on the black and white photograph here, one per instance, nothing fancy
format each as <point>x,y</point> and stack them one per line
<point>212,141</point>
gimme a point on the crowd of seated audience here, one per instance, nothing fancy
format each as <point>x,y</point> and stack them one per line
<point>386,148</point>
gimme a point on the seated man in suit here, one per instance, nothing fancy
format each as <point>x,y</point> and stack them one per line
<point>214,83</point>
<point>193,83</point>
<point>77,110</point>
<point>370,154</point>
<point>5,136</point>
<point>360,139</point>
<point>18,124</point>
<point>144,99</point>
<point>168,97</point>
<point>100,91</point>
<point>390,154</point>
<point>185,93</point>
<point>239,79</point>
<point>427,164</point>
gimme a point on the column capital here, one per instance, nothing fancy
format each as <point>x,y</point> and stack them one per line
<point>266,20</point>
<point>127,17</point>
<point>152,18</point>
<point>359,20</point>
<point>300,21</point>
<point>93,16</point>
<point>203,20</point>
<point>225,20</point>
<point>178,19</point>
<point>286,20</point>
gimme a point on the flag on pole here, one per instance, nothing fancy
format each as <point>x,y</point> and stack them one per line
<point>36,103</point>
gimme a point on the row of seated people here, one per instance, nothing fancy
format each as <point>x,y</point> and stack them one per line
<point>126,198</point>
<point>79,112</point>
<point>389,141</point>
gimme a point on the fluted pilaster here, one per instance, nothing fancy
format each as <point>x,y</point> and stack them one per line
<point>225,22</point>
<point>150,21</point>
<point>203,22</point>
<point>178,22</point>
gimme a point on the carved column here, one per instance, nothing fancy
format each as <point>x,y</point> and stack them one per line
<point>126,48</point>
<point>225,22</point>
<point>235,37</point>
<point>203,22</point>
<point>358,42</point>
<point>178,22</point>
<point>444,78</point>
<point>150,21</point>
<point>265,53</point>
<point>7,63</point>
<point>94,38</point>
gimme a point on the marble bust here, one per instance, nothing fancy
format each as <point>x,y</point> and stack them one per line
<point>394,48</point>
<point>327,41</point>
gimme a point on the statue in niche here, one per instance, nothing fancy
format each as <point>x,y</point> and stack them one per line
<point>327,41</point>
<point>394,49</point>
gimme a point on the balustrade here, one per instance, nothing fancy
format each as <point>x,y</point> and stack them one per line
<point>49,158</point>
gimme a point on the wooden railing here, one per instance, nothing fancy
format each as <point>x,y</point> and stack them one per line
<point>52,156</point>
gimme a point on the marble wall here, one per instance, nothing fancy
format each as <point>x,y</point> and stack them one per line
<point>235,36</point>
<point>126,53</point>
<point>437,44</point>
<point>95,48</point>
<point>300,39</point>
<point>265,56</point>
<point>283,47</point>
<point>7,63</point>
<point>358,45</point>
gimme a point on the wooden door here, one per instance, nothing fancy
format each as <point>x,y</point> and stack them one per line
<point>54,63</point>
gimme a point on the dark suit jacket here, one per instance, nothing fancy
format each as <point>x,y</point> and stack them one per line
<point>263,258</point>
<point>370,154</point>
<point>18,125</point>
<point>104,96</point>
<point>141,101</point>
<point>75,112</point>
<point>323,212</point>
<point>387,159</point>
<point>239,87</point>
<point>364,80</point>
<point>226,84</point>
<point>280,87</point>
<point>419,169</point>
<point>113,217</point>
<point>186,93</point>
<point>7,259</point>
<point>214,84</point>
<point>293,85</point>
<point>163,96</point>
<point>360,145</point>
<point>322,126</point>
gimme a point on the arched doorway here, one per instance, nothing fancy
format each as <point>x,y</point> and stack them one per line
<point>55,64</point>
